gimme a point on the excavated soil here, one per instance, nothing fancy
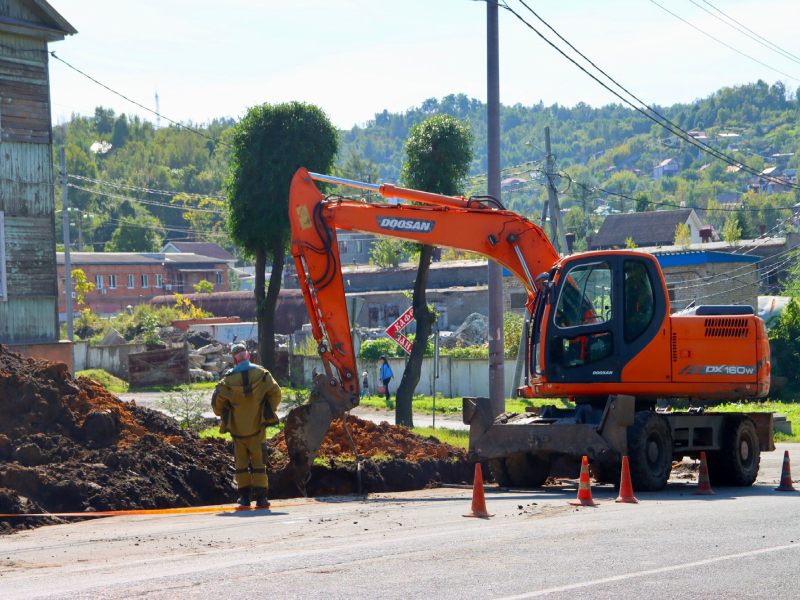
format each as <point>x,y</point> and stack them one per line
<point>68,445</point>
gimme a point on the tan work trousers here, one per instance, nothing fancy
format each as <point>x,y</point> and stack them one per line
<point>250,455</point>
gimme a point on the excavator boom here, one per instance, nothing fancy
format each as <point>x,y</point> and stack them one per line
<point>455,222</point>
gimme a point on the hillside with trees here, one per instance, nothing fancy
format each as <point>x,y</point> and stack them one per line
<point>599,150</point>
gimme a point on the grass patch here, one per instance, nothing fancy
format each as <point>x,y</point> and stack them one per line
<point>790,408</point>
<point>214,432</point>
<point>455,437</point>
<point>451,406</point>
<point>106,379</point>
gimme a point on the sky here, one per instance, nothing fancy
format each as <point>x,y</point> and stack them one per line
<point>354,58</point>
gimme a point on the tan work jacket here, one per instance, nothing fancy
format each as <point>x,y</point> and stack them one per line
<point>247,402</point>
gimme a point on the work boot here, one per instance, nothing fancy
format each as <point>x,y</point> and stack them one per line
<point>244,496</point>
<point>261,498</point>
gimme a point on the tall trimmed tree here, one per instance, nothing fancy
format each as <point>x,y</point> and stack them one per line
<point>269,144</point>
<point>438,155</point>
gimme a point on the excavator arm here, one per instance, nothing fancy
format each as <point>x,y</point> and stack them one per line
<point>454,222</point>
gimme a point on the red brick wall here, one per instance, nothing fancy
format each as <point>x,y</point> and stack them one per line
<point>114,301</point>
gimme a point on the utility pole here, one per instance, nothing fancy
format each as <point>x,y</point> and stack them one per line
<point>585,206</point>
<point>80,231</point>
<point>497,393</point>
<point>67,265</point>
<point>557,234</point>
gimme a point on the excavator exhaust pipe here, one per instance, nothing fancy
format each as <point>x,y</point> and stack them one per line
<point>306,425</point>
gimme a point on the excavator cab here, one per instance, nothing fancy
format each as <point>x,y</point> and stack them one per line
<point>596,312</point>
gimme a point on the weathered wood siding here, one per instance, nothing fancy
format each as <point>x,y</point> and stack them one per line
<point>24,99</point>
<point>27,320</point>
<point>30,314</point>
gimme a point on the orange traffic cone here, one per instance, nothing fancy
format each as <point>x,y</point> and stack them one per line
<point>703,483</point>
<point>786,475</point>
<point>478,499</point>
<point>625,485</point>
<point>584,486</point>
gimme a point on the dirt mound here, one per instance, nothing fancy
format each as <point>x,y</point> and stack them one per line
<point>378,440</point>
<point>68,445</point>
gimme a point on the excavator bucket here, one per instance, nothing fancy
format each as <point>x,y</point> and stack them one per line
<point>306,425</point>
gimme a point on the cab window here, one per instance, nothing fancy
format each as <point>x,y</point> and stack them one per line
<point>639,300</point>
<point>585,297</point>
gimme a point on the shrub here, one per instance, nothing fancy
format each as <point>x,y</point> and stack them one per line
<point>785,343</point>
<point>186,406</point>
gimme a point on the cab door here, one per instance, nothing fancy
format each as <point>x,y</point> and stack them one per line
<point>583,326</point>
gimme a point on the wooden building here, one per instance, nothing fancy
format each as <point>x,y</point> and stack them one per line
<point>28,285</point>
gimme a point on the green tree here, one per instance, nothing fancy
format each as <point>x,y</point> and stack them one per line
<point>203,287</point>
<point>386,252</point>
<point>141,233</point>
<point>683,235</point>
<point>629,243</point>
<point>359,169</point>
<point>785,343</point>
<point>732,231</point>
<point>641,202</point>
<point>438,155</point>
<point>120,133</point>
<point>269,144</point>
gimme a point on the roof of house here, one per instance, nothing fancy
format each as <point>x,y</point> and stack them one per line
<point>651,228</point>
<point>202,248</point>
<point>683,258</point>
<point>667,161</point>
<point>135,258</point>
<point>44,21</point>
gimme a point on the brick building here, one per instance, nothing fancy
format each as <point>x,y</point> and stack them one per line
<point>124,279</point>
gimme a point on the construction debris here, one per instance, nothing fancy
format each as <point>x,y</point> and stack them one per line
<point>472,332</point>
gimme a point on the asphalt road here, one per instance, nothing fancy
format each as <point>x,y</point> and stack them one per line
<point>743,542</point>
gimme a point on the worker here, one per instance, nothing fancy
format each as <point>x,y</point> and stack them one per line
<point>386,376</point>
<point>364,385</point>
<point>246,399</point>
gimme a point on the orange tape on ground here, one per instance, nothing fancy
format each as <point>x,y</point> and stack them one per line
<point>156,511</point>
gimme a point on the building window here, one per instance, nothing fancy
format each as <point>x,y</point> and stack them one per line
<point>220,278</point>
<point>145,281</point>
<point>130,282</point>
<point>3,285</point>
<point>112,282</point>
<point>359,246</point>
<point>518,301</point>
<point>98,282</point>
<point>342,247</point>
<point>194,278</point>
<point>159,280</point>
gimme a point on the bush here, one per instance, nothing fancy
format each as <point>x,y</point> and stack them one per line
<point>374,349</point>
<point>104,378</point>
<point>186,406</point>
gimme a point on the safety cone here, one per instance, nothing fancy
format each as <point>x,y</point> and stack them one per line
<point>625,485</point>
<point>703,483</point>
<point>478,499</point>
<point>786,475</point>
<point>584,486</point>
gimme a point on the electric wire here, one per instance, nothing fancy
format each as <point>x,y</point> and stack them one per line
<point>672,128</point>
<point>719,41</point>
<point>750,30</point>
<point>776,50</point>
<point>139,104</point>
<point>147,202</point>
<point>144,189</point>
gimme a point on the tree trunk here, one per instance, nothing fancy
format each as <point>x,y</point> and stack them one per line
<point>267,301</point>
<point>425,319</point>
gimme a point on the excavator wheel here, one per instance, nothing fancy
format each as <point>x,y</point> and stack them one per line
<point>649,451</point>
<point>736,463</point>
<point>522,469</point>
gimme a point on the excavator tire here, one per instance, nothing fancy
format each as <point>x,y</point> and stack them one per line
<point>649,451</point>
<point>522,469</point>
<point>737,462</point>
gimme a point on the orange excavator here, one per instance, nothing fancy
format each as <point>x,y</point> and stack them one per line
<point>598,331</point>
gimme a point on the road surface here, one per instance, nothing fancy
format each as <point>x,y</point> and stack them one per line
<point>743,542</point>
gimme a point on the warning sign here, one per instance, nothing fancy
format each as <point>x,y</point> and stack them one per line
<point>393,331</point>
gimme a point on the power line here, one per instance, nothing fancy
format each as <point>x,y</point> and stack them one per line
<point>751,31</point>
<point>147,190</point>
<point>148,202</point>
<point>672,128</point>
<point>776,50</point>
<point>719,41</point>
<point>140,105</point>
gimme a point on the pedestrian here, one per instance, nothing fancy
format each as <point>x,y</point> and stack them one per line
<point>386,375</point>
<point>364,385</point>
<point>246,399</point>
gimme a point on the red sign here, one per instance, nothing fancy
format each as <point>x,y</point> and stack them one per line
<point>393,331</point>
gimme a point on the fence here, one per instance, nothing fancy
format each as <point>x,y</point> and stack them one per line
<point>113,359</point>
<point>458,377</point>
